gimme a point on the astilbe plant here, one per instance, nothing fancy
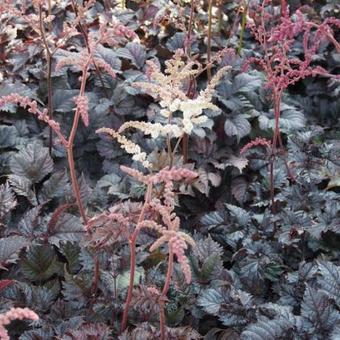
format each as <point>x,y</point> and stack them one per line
<point>155,208</point>
<point>276,36</point>
<point>82,60</point>
<point>36,22</point>
<point>15,314</point>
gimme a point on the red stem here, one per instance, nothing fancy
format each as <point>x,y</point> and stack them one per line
<point>49,71</point>
<point>164,293</point>
<point>188,42</point>
<point>69,149</point>
<point>276,137</point>
<point>132,245</point>
<point>209,40</point>
<point>284,9</point>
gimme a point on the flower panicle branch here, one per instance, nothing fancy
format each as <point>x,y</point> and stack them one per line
<point>82,103</point>
<point>128,146</point>
<point>259,141</point>
<point>282,69</point>
<point>32,105</point>
<point>163,176</point>
<point>170,88</point>
<point>170,233</point>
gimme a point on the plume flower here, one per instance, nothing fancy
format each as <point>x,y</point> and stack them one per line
<point>15,314</point>
<point>169,233</point>
<point>82,103</point>
<point>32,106</point>
<point>256,142</point>
<point>170,89</point>
<point>127,145</point>
<point>153,129</point>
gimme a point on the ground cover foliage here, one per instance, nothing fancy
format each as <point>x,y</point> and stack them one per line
<point>169,170</point>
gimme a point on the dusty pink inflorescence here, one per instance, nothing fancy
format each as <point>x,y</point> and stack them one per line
<point>15,314</point>
<point>82,103</point>
<point>33,108</point>
<point>256,142</point>
<point>165,175</point>
<point>282,69</point>
<point>177,240</point>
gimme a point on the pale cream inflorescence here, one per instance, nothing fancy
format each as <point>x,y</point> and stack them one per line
<point>169,88</point>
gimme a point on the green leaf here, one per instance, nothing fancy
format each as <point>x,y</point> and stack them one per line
<point>174,314</point>
<point>40,263</point>
<point>124,278</point>
<point>32,162</point>
<point>206,259</point>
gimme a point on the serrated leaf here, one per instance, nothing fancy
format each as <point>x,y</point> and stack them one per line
<point>242,216</point>
<point>64,100</point>
<point>23,187</point>
<point>75,288</point>
<point>237,126</point>
<point>67,228</point>
<point>246,82</point>
<point>268,330</point>
<point>124,278</point>
<point>8,136</point>
<point>32,162</point>
<point>239,188</point>
<point>176,41</point>
<point>109,56</point>
<point>55,186</point>
<point>35,334</point>
<point>42,298</point>
<point>290,119</point>
<point>329,280</point>
<point>133,52</point>
<point>40,263</point>
<point>10,248</point>
<point>210,301</point>
<point>30,222</point>
<point>7,200</point>
<point>174,316</point>
<point>212,220</point>
<point>71,251</point>
<point>238,162</point>
<point>317,308</point>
